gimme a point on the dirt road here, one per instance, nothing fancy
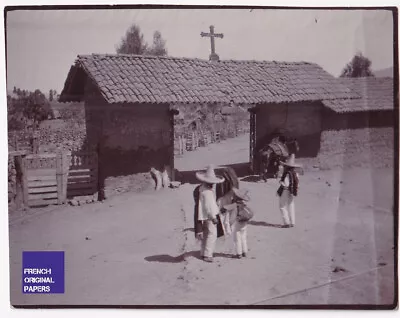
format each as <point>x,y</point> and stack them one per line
<point>139,249</point>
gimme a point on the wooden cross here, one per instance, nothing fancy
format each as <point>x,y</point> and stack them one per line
<point>212,35</point>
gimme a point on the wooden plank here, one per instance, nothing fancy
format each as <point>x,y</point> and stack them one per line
<point>65,167</point>
<point>39,196</point>
<point>41,172</point>
<point>81,178</point>
<point>86,168</point>
<point>21,182</point>
<point>77,193</point>
<point>42,183</point>
<point>24,179</point>
<point>59,176</point>
<point>84,185</point>
<point>42,202</point>
<point>81,173</point>
<point>41,156</point>
<point>17,153</point>
<point>80,181</point>
<point>42,190</point>
<point>78,169</point>
<point>42,178</point>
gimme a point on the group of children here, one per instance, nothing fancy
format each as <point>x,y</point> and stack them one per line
<point>221,207</point>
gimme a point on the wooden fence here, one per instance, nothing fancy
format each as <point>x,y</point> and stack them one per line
<point>83,173</point>
<point>52,178</point>
<point>192,141</point>
<point>45,179</point>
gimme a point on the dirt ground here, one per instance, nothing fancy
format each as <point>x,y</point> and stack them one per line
<point>139,248</point>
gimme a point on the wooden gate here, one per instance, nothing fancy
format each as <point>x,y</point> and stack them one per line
<point>45,179</point>
<point>252,140</point>
<point>83,173</point>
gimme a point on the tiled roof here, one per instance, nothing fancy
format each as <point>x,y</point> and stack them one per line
<point>147,79</point>
<point>376,94</point>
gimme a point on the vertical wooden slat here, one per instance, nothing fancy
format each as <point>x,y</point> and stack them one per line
<point>100,177</point>
<point>24,179</point>
<point>252,140</point>
<point>19,186</point>
<point>65,168</point>
<point>171,158</point>
<point>59,167</point>
<point>15,141</point>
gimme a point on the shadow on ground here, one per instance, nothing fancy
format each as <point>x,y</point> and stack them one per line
<point>253,178</point>
<point>262,223</point>
<point>241,169</point>
<point>165,258</point>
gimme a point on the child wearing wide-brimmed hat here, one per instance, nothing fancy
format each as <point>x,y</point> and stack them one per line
<point>289,185</point>
<point>206,213</point>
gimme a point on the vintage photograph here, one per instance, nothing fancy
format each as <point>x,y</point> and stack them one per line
<point>168,156</point>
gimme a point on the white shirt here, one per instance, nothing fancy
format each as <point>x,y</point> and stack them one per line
<point>208,208</point>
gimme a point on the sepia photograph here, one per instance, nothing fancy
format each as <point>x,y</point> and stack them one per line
<point>202,157</point>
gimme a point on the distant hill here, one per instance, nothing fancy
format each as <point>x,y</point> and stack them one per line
<point>386,72</point>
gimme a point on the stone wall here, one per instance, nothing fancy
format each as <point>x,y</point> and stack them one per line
<point>66,133</point>
<point>366,147</point>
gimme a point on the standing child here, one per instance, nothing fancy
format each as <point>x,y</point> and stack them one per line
<point>289,185</point>
<point>206,212</point>
<point>242,215</point>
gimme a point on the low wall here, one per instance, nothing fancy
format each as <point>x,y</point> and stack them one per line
<point>367,147</point>
<point>67,137</point>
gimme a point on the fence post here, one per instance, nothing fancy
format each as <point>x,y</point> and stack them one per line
<point>181,145</point>
<point>61,163</point>
<point>15,141</point>
<point>21,182</point>
<point>65,170</point>
<point>24,179</point>
<point>35,144</point>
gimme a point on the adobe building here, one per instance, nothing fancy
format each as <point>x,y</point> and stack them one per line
<point>130,102</point>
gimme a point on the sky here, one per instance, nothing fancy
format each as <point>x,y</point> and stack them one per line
<point>42,45</point>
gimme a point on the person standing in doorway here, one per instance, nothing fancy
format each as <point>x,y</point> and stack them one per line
<point>289,185</point>
<point>206,212</point>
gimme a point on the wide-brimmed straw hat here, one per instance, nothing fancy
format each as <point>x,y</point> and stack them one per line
<point>291,162</point>
<point>241,194</point>
<point>209,176</point>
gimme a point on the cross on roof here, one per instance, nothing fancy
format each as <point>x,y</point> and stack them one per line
<point>212,35</point>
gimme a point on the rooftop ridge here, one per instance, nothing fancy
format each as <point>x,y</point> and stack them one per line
<point>167,79</point>
<point>367,78</point>
<point>149,57</point>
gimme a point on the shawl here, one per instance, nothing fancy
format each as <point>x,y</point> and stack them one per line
<point>293,181</point>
